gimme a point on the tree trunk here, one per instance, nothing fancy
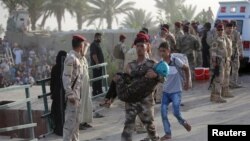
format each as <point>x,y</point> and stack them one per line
<point>59,22</point>
<point>79,21</point>
<point>33,23</point>
<point>109,22</point>
<point>45,16</point>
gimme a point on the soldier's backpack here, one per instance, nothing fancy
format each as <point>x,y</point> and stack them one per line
<point>135,87</point>
<point>118,52</point>
<point>184,59</point>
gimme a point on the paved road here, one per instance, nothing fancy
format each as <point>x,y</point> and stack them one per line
<point>198,110</point>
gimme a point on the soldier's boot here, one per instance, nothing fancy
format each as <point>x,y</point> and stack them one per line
<point>233,85</point>
<point>217,98</point>
<point>212,97</point>
<point>225,93</point>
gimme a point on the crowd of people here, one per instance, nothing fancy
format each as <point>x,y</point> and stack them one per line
<point>24,65</point>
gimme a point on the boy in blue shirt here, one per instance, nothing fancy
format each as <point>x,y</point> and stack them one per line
<point>172,89</point>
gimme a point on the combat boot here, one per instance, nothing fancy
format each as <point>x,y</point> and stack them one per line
<point>212,97</point>
<point>235,86</point>
<point>217,99</point>
<point>226,94</point>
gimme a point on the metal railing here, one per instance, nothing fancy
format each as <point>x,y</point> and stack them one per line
<point>45,94</point>
<point>103,77</point>
<point>46,113</point>
<point>27,100</point>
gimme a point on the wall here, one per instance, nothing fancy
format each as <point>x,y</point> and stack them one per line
<point>16,117</point>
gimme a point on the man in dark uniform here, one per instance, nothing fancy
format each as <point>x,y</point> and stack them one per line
<point>205,45</point>
<point>97,57</point>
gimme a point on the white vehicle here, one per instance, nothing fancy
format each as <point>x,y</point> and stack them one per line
<point>238,10</point>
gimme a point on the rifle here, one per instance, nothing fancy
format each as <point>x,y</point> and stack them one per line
<point>216,72</point>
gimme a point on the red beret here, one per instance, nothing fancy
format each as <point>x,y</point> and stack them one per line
<point>79,37</point>
<point>122,37</point>
<point>220,26</point>
<point>164,29</point>
<point>225,22</point>
<point>141,37</point>
<point>177,24</point>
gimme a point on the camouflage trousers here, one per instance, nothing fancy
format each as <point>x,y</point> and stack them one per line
<point>71,125</point>
<point>218,83</point>
<point>199,59</point>
<point>192,63</point>
<point>235,63</point>
<point>120,64</point>
<point>145,111</point>
<point>226,81</point>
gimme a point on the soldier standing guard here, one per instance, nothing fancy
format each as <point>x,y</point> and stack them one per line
<point>188,44</point>
<point>225,88</point>
<point>73,75</point>
<point>178,30</point>
<point>218,56</point>
<point>237,54</point>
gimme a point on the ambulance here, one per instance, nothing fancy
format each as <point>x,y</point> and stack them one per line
<point>238,10</point>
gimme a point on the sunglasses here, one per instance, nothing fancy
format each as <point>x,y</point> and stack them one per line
<point>220,29</point>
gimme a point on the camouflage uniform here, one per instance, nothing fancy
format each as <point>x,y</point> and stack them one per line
<point>145,110</point>
<point>120,62</point>
<point>236,52</point>
<point>225,88</point>
<point>198,53</point>
<point>73,72</point>
<point>172,41</point>
<point>218,56</point>
<point>178,33</point>
<point>188,44</point>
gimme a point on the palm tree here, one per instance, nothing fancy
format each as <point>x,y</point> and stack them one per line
<point>171,8</point>
<point>81,9</point>
<point>1,29</point>
<point>58,9</point>
<point>35,9</point>
<point>46,15</point>
<point>201,17</point>
<point>107,10</point>
<point>138,18</point>
<point>11,4</point>
<point>188,12</point>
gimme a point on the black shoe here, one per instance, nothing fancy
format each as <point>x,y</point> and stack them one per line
<point>99,92</point>
<point>98,115</point>
<point>94,93</point>
<point>82,127</point>
<point>87,125</point>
